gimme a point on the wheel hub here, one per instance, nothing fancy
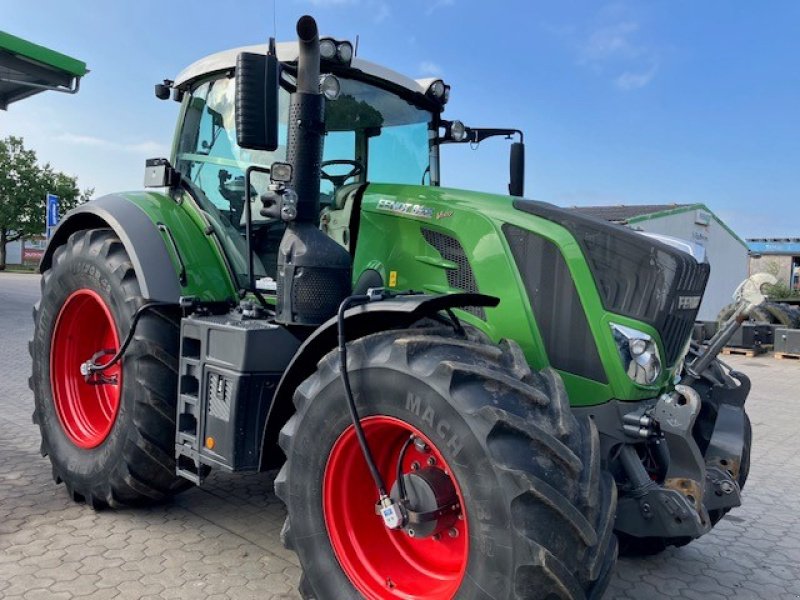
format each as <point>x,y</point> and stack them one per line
<point>86,408</point>
<point>432,504</point>
<point>385,563</point>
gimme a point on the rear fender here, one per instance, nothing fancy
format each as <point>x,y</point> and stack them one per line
<point>170,253</point>
<point>374,317</point>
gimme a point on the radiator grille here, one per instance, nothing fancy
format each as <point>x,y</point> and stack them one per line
<point>636,276</point>
<point>461,278</point>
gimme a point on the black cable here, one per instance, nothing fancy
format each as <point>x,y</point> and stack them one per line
<point>351,404</point>
<point>459,329</point>
<point>92,367</point>
<point>401,484</point>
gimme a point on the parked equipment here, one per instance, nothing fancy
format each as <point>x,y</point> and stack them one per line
<point>467,394</point>
<point>787,341</point>
<point>752,335</point>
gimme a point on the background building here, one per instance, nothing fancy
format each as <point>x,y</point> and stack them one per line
<point>779,256</point>
<point>726,252</point>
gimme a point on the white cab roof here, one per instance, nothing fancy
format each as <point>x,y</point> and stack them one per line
<point>287,52</point>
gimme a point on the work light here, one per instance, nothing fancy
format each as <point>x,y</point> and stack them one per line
<point>327,49</point>
<point>329,86</point>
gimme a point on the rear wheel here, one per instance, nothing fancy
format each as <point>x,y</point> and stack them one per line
<point>536,511</point>
<point>111,440</point>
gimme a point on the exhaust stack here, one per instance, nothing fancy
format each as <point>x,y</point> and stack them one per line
<point>306,123</point>
<point>313,270</point>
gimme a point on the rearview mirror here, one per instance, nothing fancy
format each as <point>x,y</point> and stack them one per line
<point>257,101</point>
<point>516,185</point>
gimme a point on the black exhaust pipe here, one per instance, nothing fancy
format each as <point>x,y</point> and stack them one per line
<point>308,56</point>
<point>313,270</point>
<point>306,123</point>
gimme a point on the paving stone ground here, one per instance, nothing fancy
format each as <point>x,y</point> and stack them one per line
<point>222,540</point>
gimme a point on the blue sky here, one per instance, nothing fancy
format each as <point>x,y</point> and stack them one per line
<point>621,102</point>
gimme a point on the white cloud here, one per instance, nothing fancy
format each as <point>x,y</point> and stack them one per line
<point>611,42</point>
<point>146,147</point>
<point>427,67</point>
<point>630,80</point>
<point>614,48</point>
<point>436,4</point>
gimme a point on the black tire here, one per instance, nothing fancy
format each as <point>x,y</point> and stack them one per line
<point>540,508</point>
<point>780,314</point>
<point>135,463</point>
<point>793,314</point>
<point>758,315</point>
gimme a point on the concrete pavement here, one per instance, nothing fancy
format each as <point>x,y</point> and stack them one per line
<point>222,540</point>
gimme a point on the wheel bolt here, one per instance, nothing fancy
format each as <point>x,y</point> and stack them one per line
<point>415,466</point>
<point>431,461</point>
<point>410,532</point>
<point>453,532</point>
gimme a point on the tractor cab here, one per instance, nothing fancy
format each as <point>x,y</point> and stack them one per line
<point>379,127</point>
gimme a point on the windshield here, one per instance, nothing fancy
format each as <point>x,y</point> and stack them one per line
<point>379,136</point>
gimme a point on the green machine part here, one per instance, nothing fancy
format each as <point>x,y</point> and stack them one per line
<point>396,226</point>
<point>191,243</point>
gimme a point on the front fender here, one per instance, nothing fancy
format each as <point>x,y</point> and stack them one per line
<point>393,313</point>
<point>171,254</point>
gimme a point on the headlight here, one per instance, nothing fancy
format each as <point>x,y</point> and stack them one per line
<point>458,132</point>
<point>329,86</point>
<point>639,353</point>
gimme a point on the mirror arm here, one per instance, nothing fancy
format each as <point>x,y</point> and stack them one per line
<point>476,135</point>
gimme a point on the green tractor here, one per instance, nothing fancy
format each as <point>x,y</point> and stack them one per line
<point>467,395</point>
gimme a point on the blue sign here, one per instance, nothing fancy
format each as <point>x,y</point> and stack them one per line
<point>52,210</point>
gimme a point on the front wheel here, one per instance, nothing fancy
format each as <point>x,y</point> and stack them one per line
<point>535,510</point>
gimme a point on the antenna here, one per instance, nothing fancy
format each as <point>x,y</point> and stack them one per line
<point>355,50</point>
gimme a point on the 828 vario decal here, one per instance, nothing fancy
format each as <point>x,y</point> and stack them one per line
<point>405,208</point>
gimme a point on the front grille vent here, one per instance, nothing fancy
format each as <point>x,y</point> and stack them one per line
<point>462,277</point>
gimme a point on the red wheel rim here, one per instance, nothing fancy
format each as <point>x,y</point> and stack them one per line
<point>383,563</point>
<point>83,327</point>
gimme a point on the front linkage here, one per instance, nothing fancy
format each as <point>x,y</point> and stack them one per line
<point>680,460</point>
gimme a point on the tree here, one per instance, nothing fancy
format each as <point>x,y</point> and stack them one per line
<point>24,184</point>
<point>779,290</point>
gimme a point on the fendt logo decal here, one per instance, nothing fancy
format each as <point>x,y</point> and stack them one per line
<point>688,302</point>
<point>405,208</point>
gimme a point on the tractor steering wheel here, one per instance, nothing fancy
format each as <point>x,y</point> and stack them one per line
<point>338,180</point>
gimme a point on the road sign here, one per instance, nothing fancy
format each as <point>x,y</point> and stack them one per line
<point>52,210</point>
<point>52,213</point>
